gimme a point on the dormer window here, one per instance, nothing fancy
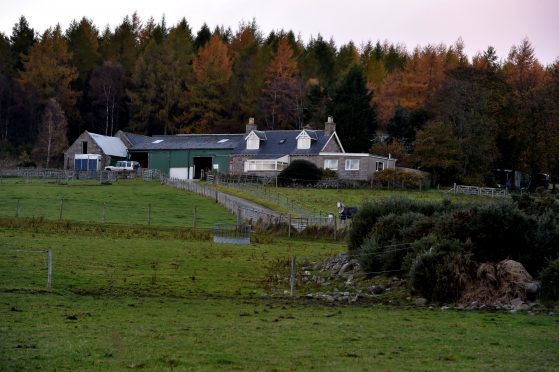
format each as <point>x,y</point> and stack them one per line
<point>253,143</point>
<point>303,141</point>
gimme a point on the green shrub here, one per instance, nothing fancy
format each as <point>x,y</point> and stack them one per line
<point>435,273</point>
<point>370,212</point>
<point>300,172</point>
<point>329,173</point>
<point>383,250</point>
<point>550,281</point>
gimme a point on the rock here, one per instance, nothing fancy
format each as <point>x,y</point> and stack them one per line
<point>420,301</point>
<point>376,289</point>
<point>516,302</point>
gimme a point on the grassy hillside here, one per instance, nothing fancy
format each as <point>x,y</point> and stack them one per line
<point>124,202</point>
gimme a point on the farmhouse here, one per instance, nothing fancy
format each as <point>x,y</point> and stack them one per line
<point>91,151</point>
<point>187,156</point>
<point>266,153</point>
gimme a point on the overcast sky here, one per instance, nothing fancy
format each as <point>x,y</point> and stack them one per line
<point>480,23</point>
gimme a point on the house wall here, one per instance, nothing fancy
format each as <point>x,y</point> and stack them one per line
<point>92,148</point>
<point>332,146</point>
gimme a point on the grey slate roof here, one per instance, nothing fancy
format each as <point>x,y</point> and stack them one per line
<point>135,139</point>
<point>112,146</point>
<point>189,142</point>
<point>279,143</point>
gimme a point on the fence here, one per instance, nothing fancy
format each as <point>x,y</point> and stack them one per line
<point>232,234</point>
<point>66,175</point>
<point>476,190</point>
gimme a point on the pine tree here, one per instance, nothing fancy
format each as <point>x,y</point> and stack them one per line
<point>83,43</point>
<point>22,39</point>
<point>355,118</point>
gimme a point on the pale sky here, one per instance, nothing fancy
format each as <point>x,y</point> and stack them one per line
<point>480,23</point>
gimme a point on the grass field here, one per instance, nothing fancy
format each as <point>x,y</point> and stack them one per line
<point>126,202</point>
<point>160,299</point>
<point>323,201</point>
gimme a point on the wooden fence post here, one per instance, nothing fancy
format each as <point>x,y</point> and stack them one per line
<point>194,222</point>
<point>293,277</point>
<point>104,214</point>
<point>149,214</point>
<point>61,208</point>
<point>49,270</point>
<point>335,228</point>
<point>289,228</point>
<point>17,208</point>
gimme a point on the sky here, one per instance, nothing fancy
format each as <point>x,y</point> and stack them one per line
<point>480,23</point>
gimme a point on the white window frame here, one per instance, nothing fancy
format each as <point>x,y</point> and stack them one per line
<point>379,166</point>
<point>303,143</point>
<point>253,143</point>
<point>264,166</point>
<point>331,164</point>
<point>352,164</point>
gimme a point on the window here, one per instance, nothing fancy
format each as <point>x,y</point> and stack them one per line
<point>158,141</point>
<point>84,147</point>
<point>304,143</point>
<point>331,164</point>
<point>379,166</point>
<point>223,140</point>
<point>253,143</point>
<point>352,164</point>
<point>264,165</point>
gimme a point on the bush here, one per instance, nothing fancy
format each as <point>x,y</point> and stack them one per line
<point>397,178</point>
<point>300,172</point>
<point>370,212</point>
<point>435,274</point>
<point>378,253</point>
<point>550,281</point>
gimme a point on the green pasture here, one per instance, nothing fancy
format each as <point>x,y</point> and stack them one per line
<point>123,202</point>
<point>159,301</point>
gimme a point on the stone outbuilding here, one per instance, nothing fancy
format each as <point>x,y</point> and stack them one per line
<point>91,151</point>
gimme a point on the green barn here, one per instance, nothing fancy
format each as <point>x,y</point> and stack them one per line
<point>187,156</point>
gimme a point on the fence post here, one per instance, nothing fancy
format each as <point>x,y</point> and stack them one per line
<point>61,208</point>
<point>149,214</point>
<point>238,215</point>
<point>49,271</point>
<point>289,228</point>
<point>335,228</point>
<point>216,196</point>
<point>293,277</point>
<point>104,214</point>
<point>194,222</point>
<point>17,208</point>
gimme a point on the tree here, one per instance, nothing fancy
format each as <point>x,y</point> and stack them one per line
<point>211,71</point>
<point>352,111</point>
<point>22,39</point>
<point>436,150</point>
<point>52,139</point>
<point>319,62</point>
<point>6,58</point>
<point>48,73</point>
<point>106,91</point>
<point>83,43</point>
<point>280,102</point>
<point>202,37</point>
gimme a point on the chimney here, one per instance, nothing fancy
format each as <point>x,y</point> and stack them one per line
<point>329,126</point>
<point>250,126</point>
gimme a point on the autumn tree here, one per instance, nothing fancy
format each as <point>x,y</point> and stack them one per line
<point>352,111</point>
<point>203,102</point>
<point>48,73</point>
<point>52,138</point>
<point>436,151</point>
<point>281,99</point>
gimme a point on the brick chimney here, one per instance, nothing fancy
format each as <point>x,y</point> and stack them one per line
<point>329,126</point>
<point>250,125</point>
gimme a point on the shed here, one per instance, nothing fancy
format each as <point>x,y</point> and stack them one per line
<point>110,149</point>
<point>188,156</point>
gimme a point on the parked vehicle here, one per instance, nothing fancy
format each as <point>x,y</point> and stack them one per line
<point>123,166</point>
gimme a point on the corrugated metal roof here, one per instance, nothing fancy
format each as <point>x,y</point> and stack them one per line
<point>284,142</point>
<point>135,138</point>
<point>112,146</point>
<point>190,141</point>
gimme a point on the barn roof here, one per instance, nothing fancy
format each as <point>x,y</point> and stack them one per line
<point>190,142</point>
<point>112,146</point>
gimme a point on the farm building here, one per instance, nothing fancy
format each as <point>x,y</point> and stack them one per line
<point>266,153</point>
<point>91,151</point>
<point>187,156</point>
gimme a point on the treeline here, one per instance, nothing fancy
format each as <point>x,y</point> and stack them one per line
<point>437,109</point>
